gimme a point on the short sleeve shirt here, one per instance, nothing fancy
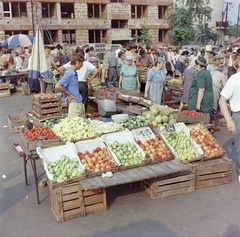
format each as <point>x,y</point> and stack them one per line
<point>70,83</point>
<point>146,61</point>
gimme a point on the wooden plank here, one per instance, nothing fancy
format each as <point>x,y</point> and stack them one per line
<point>95,208</point>
<point>97,198</point>
<point>53,212</point>
<point>175,165</point>
<point>133,177</point>
<point>161,170</point>
<point>92,192</point>
<point>214,176</point>
<point>88,184</point>
<point>163,188</point>
<point>70,197</point>
<point>104,197</point>
<point>72,214</point>
<point>100,181</point>
<point>148,171</point>
<point>213,182</point>
<point>69,189</point>
<point>173,192</point>
<point>109,182</point>
<point>59,206</point>
<point>73,204</point>
<point>82,206</point>
<point>177,179</point>
<point>120,178</point>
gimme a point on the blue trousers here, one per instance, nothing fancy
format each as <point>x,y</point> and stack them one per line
<point>236,120</point>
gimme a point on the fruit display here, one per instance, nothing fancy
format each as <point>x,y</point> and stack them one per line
<point>127,153</point>
<point>134,122</point>
<point>192,113</point>
<point>154,148</point>
<point>45,96</point>
<point>39,134</point>
<point>45,115</point>
<point>98,160</point>
<point>205,140</point>
<point>159,116</point>
<point>64,168</point>
<point>46,109</point>
<point>182,145</point>
<point>51,122</point>
<point>46,104</point>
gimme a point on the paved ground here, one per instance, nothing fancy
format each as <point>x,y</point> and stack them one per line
<point>209,212</point>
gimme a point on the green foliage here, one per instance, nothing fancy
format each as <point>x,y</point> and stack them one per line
<point>231,31</point>
<point>145,38</point>
<point>182,16</point>
<point>207,33</point>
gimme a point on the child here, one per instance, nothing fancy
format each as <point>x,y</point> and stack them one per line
<point>68,85</point>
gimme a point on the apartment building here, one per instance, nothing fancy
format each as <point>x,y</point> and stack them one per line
<point>84,21</point>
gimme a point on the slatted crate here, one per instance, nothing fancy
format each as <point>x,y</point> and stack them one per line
<point>70,201</point>
<point>16,123</point>
<point>212,172</point>
<point>4,90</point>
<point>169,186</point>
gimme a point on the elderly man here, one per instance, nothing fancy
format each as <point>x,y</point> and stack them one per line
<point>110,67</point>
<point>146,60</point>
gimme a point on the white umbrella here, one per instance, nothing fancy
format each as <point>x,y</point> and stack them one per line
<point>38,62</point>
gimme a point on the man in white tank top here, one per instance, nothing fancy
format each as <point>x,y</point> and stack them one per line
<point>232,69</point>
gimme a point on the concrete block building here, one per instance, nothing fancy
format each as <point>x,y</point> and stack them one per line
<point>76,22</point>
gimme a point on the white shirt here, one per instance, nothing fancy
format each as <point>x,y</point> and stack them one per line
<point>192,60</point>
<point>116,52</point>
<point>231,92</point>
<point>175,58</point>
<point>84,70</point>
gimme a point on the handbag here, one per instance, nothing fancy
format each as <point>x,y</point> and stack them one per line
<point>166,94</point>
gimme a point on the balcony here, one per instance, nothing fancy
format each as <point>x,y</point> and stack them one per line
<point>221,25</point>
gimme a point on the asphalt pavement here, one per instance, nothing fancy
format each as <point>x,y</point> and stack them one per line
<point>208,212</point>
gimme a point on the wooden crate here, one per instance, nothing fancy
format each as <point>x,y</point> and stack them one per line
<point>39,100</point>
<point>19,88</point>
<point>40,116</point>
<point>4,85</point>
<point>16,123</point>
<point>212,172</point>
<point>192,119</point>
<point>99,94</point>
<point>136,109</point>
<point>169,186</point>
<point>47,104</point>
<point>70,201</point>
<point>114,97</point>
<point>32,145</point>
<point>5,93</point>
<point>42,111</point>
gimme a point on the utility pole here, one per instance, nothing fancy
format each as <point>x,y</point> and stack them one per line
<point>32,18</point>
<point>225,26</point>
<point>237,20</point>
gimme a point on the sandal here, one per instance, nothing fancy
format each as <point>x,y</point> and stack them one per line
<point>217,129</point>
<point>212,130</point>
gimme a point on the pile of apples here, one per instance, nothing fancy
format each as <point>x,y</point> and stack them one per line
<point>154,148</point>
<point>205,140</point>
<point>45,95</point>
<point>98,160</point>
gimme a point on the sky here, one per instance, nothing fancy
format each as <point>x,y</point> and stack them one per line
<point>233,10</point>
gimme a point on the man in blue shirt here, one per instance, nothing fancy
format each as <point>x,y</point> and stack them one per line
<point>68,85</point>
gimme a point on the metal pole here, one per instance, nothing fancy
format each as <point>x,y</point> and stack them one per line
<point>225,26</point>
<point>32,18</point>
<point>237,20</point>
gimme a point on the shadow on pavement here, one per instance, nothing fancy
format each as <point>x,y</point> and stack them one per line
<point>145,228</point>
<point>232,231</point>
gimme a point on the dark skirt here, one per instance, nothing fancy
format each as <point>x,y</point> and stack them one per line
<point>34,85</point>
<point>231,71</point>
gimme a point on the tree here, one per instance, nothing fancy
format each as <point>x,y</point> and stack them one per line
<point>207,33</point>
<point>231,31</point>
<point>144,38</point>
<point>182,16</point>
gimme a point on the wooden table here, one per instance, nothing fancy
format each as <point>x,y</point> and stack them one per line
<point>135,174</point>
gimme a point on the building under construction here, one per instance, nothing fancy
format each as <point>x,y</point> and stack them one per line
<point>83,21</point>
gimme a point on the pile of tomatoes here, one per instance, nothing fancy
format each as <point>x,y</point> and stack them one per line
<point>33,134</point>
<point>192,113</point>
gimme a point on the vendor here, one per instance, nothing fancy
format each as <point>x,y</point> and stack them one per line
<point>155,81</point>
<point>68,85</point>
<point>214,66</point>
<point>180,64</point>
<point>128,76</point>
<point>146,60</point>
<point>201,92</point>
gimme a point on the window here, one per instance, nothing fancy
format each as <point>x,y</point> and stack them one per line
<point>138,11</point>
<point>162,35</point>
<point>14,9</point>
<point>98,36</point>
<point>48,10</point>
<point>97,10</point>
<point>136,32</point>
<point>7,12</point>
<point>120,1</point>
<point>15,32</point>
<point>162,12</point>
<point>50,36</point>
<point>67,10</point>
<point>69,36</point>
<point>119,23</point>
